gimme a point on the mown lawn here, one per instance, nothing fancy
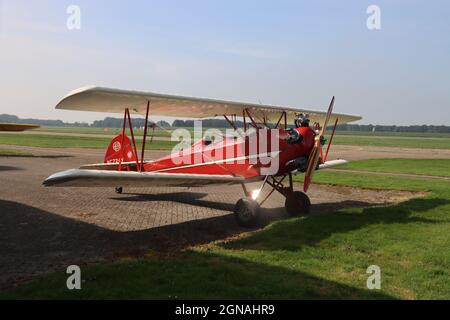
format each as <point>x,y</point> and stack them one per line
<point>432,167</point>
<point>167,131</point>
<point>380,139</point>
<point>395,134</point>
<point>14,153</point>
<point>315,257</point>
<point>160,132</point>
<point>393,141</point>
<point>56,141</point>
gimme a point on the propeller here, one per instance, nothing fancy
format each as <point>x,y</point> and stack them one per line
<point>315,152</point>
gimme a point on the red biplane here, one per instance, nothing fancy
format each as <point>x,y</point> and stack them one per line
<point>274,144</point>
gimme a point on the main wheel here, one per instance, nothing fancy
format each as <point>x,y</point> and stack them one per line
<point>246,212</point>
<point>119,190</point>
<point>297,203</point>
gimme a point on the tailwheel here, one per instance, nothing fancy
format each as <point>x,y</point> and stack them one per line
<point>246,212</point>
<point>119,190</point>
<point>297,203</point>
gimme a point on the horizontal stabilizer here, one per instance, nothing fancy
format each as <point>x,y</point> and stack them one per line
<point>332,163</point>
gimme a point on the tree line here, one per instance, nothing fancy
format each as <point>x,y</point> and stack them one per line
<point>110,122</point>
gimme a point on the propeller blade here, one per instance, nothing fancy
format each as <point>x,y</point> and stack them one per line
<point>329,112</point>
<point>331,139</point>
<point>312,164</point>
<point>315,152</point>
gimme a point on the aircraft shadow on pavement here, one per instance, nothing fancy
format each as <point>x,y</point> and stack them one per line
<point>36,242</point>
<point>267,215</point>
<point>192,198</point>
<point>10,168</point>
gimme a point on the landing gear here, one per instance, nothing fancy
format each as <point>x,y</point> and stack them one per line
<point>119,190</point>
<point>246,212</point>
<point>297,203</point>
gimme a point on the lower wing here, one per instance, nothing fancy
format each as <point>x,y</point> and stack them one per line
<point>110,178</point>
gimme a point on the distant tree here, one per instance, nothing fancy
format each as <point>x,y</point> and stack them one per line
<point>163,124</point>
<point>8,118</point>
<point>178,123</point>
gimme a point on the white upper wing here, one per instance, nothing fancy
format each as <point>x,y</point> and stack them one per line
<point>114,100</point>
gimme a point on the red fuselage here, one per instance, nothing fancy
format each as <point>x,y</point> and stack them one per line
<point>246,155</point>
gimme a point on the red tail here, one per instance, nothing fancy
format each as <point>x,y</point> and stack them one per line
<point>116,150</point>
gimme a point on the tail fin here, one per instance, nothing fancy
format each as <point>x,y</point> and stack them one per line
<point>116,150</point>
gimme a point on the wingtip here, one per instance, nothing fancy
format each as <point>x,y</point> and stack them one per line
<point>60,104</point>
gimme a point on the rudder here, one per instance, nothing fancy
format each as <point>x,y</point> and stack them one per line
<point>116,151</point>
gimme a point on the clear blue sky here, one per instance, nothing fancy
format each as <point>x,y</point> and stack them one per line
<point>293,53</point>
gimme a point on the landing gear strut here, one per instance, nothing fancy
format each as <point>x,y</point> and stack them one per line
<point>297,203</point>
<point>119,190</point>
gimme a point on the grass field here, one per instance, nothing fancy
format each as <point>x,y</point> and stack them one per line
<point>393,141</point>
<point>103,131</point>
<point>52,141</point>
<point>14,153</point>
<point>395,134</point>
<point>320,256</point>
<point>381,139</point>
<point>431,167</point>
<point>167,132</point>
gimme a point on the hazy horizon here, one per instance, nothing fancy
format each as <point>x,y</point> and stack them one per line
<point>289,53</point>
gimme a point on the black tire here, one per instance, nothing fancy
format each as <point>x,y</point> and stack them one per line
<point>246,212</point>
<point>297,203</point>
<point>119,190</point>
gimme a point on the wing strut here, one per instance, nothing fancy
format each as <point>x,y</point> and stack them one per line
<point>126,114</point>
<point>283,114</point>
<point>145,137</point>
<point>132,137</point>
<point>123,137</point>
<point>245,120</point>
<point>251,119</point>
<point>231,123</point>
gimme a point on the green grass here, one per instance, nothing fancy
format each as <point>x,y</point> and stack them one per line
<point>381,139</point>
<point>166,131</point>
<point>102,131</point>
<point>393,141</point>
<point>55,141</point>
<point>14,153</point>
<point>320,256</point>
<point>395,134</point>
<point>432,167</point>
